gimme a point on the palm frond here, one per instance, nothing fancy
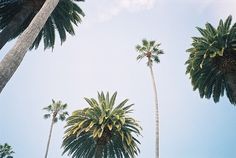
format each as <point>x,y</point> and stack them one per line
<point>211,59</point>
<point>103,125</point>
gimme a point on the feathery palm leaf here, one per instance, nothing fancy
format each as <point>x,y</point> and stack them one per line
<point>15,17</point>
<point>102,125</point>
<point>212,61</point>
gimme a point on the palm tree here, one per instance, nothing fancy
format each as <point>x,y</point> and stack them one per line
<point>6,151</point>
<point>150,50</point>
<point>56,111</point>
<point>102,130</point>
<point>212,61</point>
<point>15,16</point>
<point>13,58</point>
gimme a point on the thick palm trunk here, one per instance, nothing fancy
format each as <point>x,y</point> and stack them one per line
<point>49,137</point>
<point>156,112</point>
<point>231,80</point>
<point>98,151</point>
<point>8,32</point>
<point>14,57</point>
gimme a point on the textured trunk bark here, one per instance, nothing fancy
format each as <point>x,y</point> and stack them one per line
<point>156,112</point>
<point>98,151</point>
<point>13,58</point>
<point>49,137</point>
<point>231,80</point>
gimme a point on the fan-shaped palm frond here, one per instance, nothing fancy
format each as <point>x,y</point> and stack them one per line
<point>6,151</point>
<point>56,110</point>
<point>15,16</point>
<point>102,130</point>
<point>149,49</point>
<point>212,61</point>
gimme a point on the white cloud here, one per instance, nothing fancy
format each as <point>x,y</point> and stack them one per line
<point>136,4</point>
<point>115,7</point>
<point>221,8</point>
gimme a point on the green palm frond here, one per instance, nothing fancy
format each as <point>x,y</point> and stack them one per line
<point>102,124</point>
<point>56,110</point>
<point>6,151</point>
<point>149,49</point>
<point>66,14</point>
<point>212,58</point>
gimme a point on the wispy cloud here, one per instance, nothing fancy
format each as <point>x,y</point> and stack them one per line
<point>220,7</point>
<point>115,7</point>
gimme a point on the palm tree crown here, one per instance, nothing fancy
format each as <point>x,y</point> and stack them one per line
<point>6,151</point>
<point>102,130</point>
<point>56,110</point>
<point>212,61</point>
<point>149,49</point>
<point>15,16</point>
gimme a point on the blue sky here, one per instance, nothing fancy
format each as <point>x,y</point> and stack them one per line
<point>102,57</point>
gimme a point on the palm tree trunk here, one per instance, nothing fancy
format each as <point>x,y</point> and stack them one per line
<point>231,80</point>
<point>14,57</point>
<point>98,151</point>
<point>156,112</point>
<point>49,137</point>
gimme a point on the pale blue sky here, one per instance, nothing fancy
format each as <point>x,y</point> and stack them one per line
<point>102,57</point>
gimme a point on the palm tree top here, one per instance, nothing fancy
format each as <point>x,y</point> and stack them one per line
<point>55,109</point>
<point>6,151</point>
<point>149,49</point>
<point>212,60</point>
<point>103,124</point>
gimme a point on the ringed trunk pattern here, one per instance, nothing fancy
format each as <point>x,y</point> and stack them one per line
<point>49,137</point>
<point>14,57</point>
<point>156,112</point>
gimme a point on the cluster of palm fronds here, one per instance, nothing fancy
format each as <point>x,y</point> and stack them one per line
<point>15,16</point>
<point>212,61</point>
<point>102,129</point>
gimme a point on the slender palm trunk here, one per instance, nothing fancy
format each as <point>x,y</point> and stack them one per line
<point>156,112</point>
<point>98,151</point>
<point>231,80</point>
<point>49,137</point>
<point>14,57</point>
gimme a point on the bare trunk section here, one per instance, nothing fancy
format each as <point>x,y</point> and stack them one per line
<point>231,80</point>
<point>156,112</point>
<point>14,57</point>
<point>49,137</point>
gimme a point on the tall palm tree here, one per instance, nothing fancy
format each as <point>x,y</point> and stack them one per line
<point>102,130</point>
<point>212,61</point>
<point>56,111</point>
<point>15,16</point>
<point>6,151</point>
<point>151,51</point>
<point>13,58</point>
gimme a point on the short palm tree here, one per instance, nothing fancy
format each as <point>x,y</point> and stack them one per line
<point>212,61</point>
<point>102,130</point>
<point>15,16</point>
<point>6,151</point>
<point>56,110</point>
<point>151,51</point>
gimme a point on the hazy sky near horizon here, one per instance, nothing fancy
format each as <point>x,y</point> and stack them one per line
<point>101,57</point>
